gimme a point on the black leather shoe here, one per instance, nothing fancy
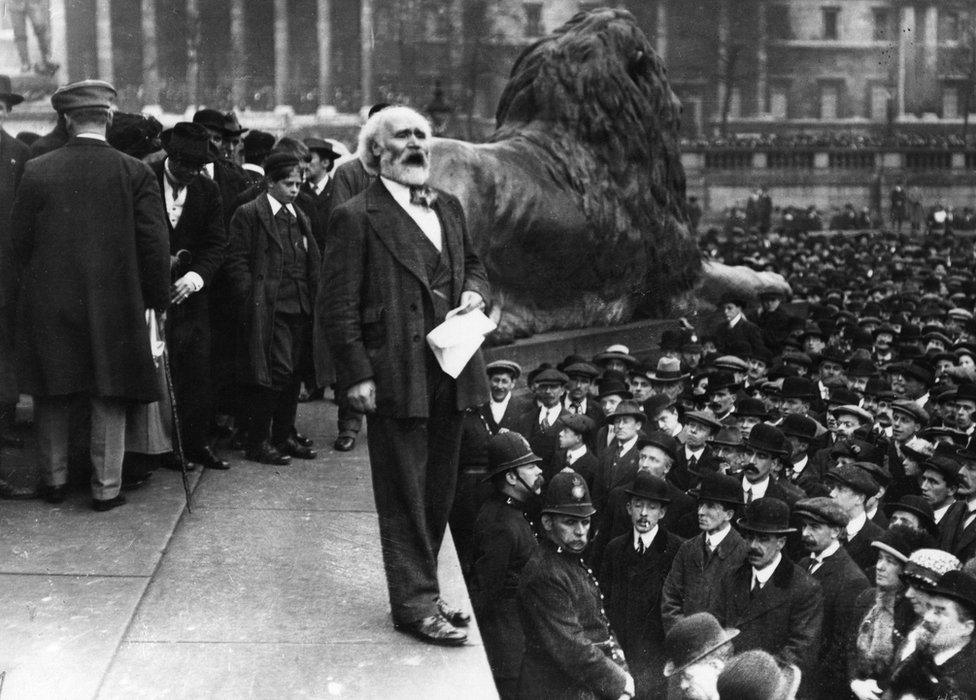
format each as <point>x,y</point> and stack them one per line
<point>209,460</point>
<point>266,454</point>
<point>456,617</point>
<point>136,482</point>
<point>103,505</point>
<point>56,494</point>
<point>303,440</point>
<point>344,443</point>
<point>291,447</point>
<point>434,629</point>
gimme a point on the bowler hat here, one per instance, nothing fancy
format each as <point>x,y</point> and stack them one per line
<point>668,370</point>
<point>84,94</point>
<point>504,367</point>
<point>649,487</point>
<point>188,143</point>
<point>822,509</point>
<point>767,438</point>
<point>919,507</point>
<point>861,368</point>
<point>768,516</point>
<point>703,418</point>
<point>661,440</point>
<point>854,478</point>
<point>567,494</point>
<point>755,675</point>
<point>657,403</point>
<point>578,423</point>
<point>257,142</point>
<point>795,425</point>
<point>232,127</point>
<point>799,388</point>
<point>731,437</point>
<point>134,134</point>
<point>210,118</point>
<point>751,408</point>
<point>627,408</point>
<point>322,147</point>
<point>692,638</point>
<point>509,450</point>
<point>7,94</point>
<point>926,566</point>
<point>722,380</point>
<point>720,488</point>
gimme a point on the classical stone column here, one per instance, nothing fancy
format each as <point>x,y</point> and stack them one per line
<point>661,30</point>
<point>906,57</point>
<point>366,52</point>
<point>281,51</point>
<point>323,28</point>
<point>723,55</point>
<point>103,40</point>
<point>762,57</point>
<point>238,60</point>
<point>150,55</point>
<point>59,35</point>
<point>193,52</point>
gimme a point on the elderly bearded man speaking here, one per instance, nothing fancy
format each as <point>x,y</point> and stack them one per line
<point>398,259</point>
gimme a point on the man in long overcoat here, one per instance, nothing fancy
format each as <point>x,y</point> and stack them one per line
<point>400,258</point>
<point>92,251</point>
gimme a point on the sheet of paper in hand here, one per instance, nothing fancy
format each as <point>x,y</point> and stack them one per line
<point>455,341</point>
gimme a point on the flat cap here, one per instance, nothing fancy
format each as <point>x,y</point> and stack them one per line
<point>82,95</point>
<point>854,478</point>
<point>910,409</point>
<point>703,418</point>
<point>506,366</point>
<point>822,510</point>
<point>581,369</point>
<point>578,423</point>
<point>550,375</point>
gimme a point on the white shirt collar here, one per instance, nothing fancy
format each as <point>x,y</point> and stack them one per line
<point>939,513</point>
<point>498,408</point>
<point>764,574</point>
<point>91,135</point>
<point>855,525</point>
<point>625,446</point>
<point>714,540</point>
<point>254,167</point>
<point>941,657</point>
<point>320,185</point>
<point>575,453</point>
<point>551,414</point>
<point>400,192</point>
<point>735,321</point>
<point>209,169</point>
<point>798,466</point>
<point>646,537</point>
<point>689,453</point>
<point>831,549</point>
<point>276,206</point>
<point>758,489</point>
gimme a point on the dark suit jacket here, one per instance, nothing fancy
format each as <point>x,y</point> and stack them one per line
<point>783,618</point>
<point>692,583</point>
<point>841,581</point>
<point>586,466</point>
<point>479,425</point>
<point>544,441</point>
<point>350,179</point>
<point>92,250</point>
<point>680,474</point>
<point>376,307</point>
<point>744,331</point>
<point>13,156</point>
<point>860,549</point>
<point>322,201</point>
<point>918,676</point>
<point>964,545</point>
<point>950,524</point>
<point>231,181</point>
<point>614,470</point>
<point>254,269</point>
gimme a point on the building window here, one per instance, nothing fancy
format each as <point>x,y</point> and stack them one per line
<point>778,101</point>
<point>829,96</point>
<point>950,30</point>
<point>778,22</point>
<point>533,18</point>
<point>882,24</point>
<point>879,103</point>
<point>950,102</point>
<point>830,16</point>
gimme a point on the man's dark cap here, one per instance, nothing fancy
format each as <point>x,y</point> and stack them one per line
<point>189,143</point>
<point>322,147</point>
<point>958,586</point>
<point>822,510</point>
<point>84,94</point>
<point>578,423</point>
<point>278,165</point>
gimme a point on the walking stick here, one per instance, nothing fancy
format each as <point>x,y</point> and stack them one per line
<point>177,431</point>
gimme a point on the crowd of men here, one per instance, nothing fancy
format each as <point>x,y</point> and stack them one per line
<point>778,503</point>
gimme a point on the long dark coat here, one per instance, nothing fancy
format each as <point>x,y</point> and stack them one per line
<point>783,618</point>
<point>632,584</point>
<point>563,619</point>
<point>92,246</point>
<point>842,582</point>
<point>860,549</point>
<point>13,156</point>
<point>253,268</point>
<point>374,301</point>
<point>955,679</point>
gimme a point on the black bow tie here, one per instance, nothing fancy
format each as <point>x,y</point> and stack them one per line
<point>422,195</point>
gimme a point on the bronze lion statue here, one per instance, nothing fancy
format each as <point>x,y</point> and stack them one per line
<point>576,201</point>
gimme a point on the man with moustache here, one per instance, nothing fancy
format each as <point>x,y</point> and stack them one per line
<point>619,464</point>
<point>577,399</point>
<point>632,574</point>
<point>540,423</point>
<point>722,389</point>
<point>504,539</point>
<point>774,603</point>
<point>801,471</point>
<point>399,261</point>
<point>765,445</point>
<point>570,650</point>
<point>703,561</point>
<point>842,580</point>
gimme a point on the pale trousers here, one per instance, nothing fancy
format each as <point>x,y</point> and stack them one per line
<point>52,424</point>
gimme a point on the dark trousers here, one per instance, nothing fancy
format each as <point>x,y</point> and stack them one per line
<point>350,420</point>
<point>471,493</point>
<point>414,469</point>
<point>189,343</point>
<point>273,409</point>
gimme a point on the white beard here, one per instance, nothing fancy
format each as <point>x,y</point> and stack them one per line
<point>403,173</point>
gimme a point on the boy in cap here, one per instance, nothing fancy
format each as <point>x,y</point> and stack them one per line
<point>632,575</point>
<point>851,487</point>
<point>696,456</point>
<point>841,579</point>
<point>504,540</point>
<point>573,452</point>
<point>570,649</point>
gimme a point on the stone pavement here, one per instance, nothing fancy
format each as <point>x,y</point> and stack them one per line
<point>272,588</point>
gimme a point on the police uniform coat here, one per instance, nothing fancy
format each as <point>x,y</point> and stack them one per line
<point>842,582</point>
<point>92,249</point>
<point>503,542</point>
<point>566,631</point>
<point>13,156</point>
<point>691,585</point>
<point>374,319</point>
<point>632,584</point>
<point>254,267</point>
<point>783,618</point>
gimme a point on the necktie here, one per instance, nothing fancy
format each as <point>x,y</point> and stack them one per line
<point>576,408</point>
<point>545,420</point>
<point>692,464</point>
<point>748,495</point>
<point>422,196</point>
<point>969,519</point>
<point>814,563</point>
<point>284,215</point>
<point>177,187</point>
<point>640,546</point>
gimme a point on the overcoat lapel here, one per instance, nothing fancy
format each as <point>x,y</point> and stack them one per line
<point>267,220</point>
<point>386,218</point>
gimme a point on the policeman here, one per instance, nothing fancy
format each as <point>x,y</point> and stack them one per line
<point>504,539</point>
<point>570,650</point>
